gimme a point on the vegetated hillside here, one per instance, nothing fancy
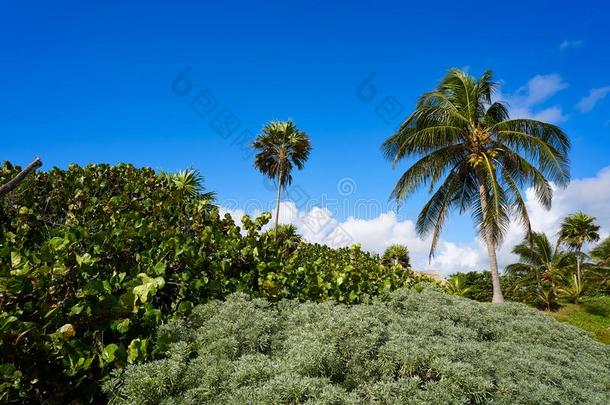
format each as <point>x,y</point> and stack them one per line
<point>426,347</point>
<point>593,315</point>
<point>93,258</point>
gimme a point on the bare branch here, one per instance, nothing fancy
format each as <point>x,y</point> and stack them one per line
<point>12,184</point>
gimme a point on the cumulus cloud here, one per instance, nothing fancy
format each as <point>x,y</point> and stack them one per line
<point>566,44</point>
<point>525,102</point>
<point>591,195</point>
<point>588,102</point>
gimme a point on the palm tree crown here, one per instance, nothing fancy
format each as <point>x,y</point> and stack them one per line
<point>396,255</point>
<point>280,147</point>
<point>578,229</point>
<point>466,142</point>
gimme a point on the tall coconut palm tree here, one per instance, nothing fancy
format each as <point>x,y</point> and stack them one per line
<point>576,230</point>
<point>461,136</point>
<point>280,147</point>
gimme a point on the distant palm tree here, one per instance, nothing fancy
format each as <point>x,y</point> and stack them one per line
<point>190,183</point>
<point>484,159</point>
<point>396,255</point>
<point>576,230</point>
<point>281,147</point>
<point>287,237</point>
<point>539,261</point>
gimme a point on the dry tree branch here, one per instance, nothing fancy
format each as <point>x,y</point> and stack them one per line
<point>12,184</point>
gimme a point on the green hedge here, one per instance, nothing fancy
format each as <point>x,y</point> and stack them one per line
<point>93,258</point>
<point>413,348</point>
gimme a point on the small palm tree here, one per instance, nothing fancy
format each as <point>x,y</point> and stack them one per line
<point>286,236</point>
<point>572,289</point>
<point>539,262</point>
<point>189,182</point>
<point>281,147</point>
<point>396,255</point>
<point>484,159</point>
<point>576,230</point>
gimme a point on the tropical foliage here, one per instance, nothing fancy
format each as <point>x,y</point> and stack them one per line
<point>456,285</point>
<point>93,259</point>
<point>541,270</point>
<point>466,141</point>
<point>413,348</point>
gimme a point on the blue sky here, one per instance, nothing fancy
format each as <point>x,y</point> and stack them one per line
<point>93,82</point>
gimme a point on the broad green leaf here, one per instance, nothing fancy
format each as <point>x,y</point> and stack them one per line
<point>108,353</point>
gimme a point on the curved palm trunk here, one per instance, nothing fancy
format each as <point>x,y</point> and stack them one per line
<point>491,250</point>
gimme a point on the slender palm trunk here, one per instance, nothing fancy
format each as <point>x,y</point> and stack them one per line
<point>277,209</point>
<point>578,265</point>
<point>491,249</point>
<point>495,275</point>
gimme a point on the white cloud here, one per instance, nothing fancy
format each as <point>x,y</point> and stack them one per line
<point>525,102</point>
<point>541,87</point>
<point>591,195</point>
<point>570,44</point>
<point>588,102</point>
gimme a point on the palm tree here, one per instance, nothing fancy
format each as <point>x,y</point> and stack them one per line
<point>466,139</point>
<point>190,183</point>
<point>281,146</point>
<point>396,255</point>
<point>576,230</point>
<point>539,262</point>
<point>287,236</point>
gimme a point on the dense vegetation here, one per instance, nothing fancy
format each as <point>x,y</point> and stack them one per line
<point>546,276</point>
<point>93,258</point>
<point>413,348</point>
<point>118,271</point>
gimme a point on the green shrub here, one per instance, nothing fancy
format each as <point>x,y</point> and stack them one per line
<point>426,347</point>
<point>93,258</point>
<point>478,285</point>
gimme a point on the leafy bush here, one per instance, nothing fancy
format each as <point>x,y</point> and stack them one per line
<point>426,347</point>
<point>93,258</point>
<point>477,285</point>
